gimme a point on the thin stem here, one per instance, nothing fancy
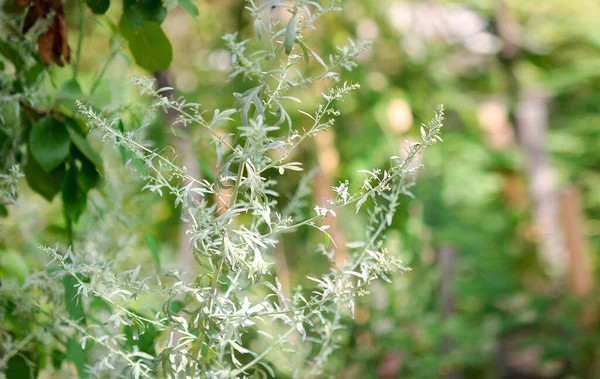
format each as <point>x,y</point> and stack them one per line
<point>4,360</point>
<point>79,39</point>
<point>264,353</point>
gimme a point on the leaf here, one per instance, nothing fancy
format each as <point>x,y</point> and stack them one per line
<point>34,72</point>
<point>82,144</point>
<point>153,246</point>
<point>305,48</point>
<point>290,35</point>
<point>3,211</point>
<point>189,7</point>
<point>49,143</point>
<point>76,355</point>
<point>57,358</point>
<point>12,55</point>
<point>98,6</point>
<point>74,198</point>
<point>150,47</point>
<point>125,154</point>
<point>88,177</point>
<point>68,93</point>
<point>17,367</point>
<point>258,28</point>
<point>47,184</point>
<point>72,303</point>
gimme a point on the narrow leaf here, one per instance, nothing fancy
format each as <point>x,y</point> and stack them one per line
<point>153,246</point>
<point>290,35</point>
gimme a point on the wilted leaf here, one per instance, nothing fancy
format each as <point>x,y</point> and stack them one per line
<point>52,45</point>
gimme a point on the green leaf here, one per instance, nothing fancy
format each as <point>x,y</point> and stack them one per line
<point>33,73</point>
<point>74,198</point>
<point>88,177</point>
<point>142,336</point>
<point>99,303</point>
<point>153,246</point>
<point>47,184</point>
<point>136,12</point>
<point>258,28</point>
<point>82,144</point>
<point>290,35</point>
<point>49,143</point>
<point>98,6</point>
<point>189,7</point>
<point>3,211</point>
<point>17,367</point>
<point>57,358</point>
<point>76,355</point>
<point>12,55</point>
<point>150,47</point>
<point>125,154</point>
<point>68,93</point>
<point>72,301</point>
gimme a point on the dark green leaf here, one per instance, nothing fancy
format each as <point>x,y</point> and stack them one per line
<point>88,177</point>
<point>125,154</point>
<point>189,7</point>
<point>17,367</point>
<point>150,47</point>
<point>142,336</point>
<point>136,12</point>
<point>99,303</point>
<point>12,55</point>
<point>3,211</point>
<point>131,21</point>
<point>153,10</point>
<point>47,184</point>
<point>98,6</point>
<point>290,35</point>
<point>34,72</point>
<point>153,246</point>
<point>76,355</point>
<point>74,198</point>
<point>78,139</point>
<point>57,358</point>
<point>49,143</point>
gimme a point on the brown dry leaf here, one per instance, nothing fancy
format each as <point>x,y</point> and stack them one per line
<point>52,45</point>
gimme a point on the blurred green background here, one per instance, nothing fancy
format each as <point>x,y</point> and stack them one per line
<point>503,234</point>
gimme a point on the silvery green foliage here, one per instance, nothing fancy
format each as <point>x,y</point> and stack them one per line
<point>237,294</point>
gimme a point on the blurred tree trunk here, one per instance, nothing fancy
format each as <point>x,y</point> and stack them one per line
<point>328,157</point>
<point>531,123</point>
<point>580,274</point>
<point>447,263</point>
